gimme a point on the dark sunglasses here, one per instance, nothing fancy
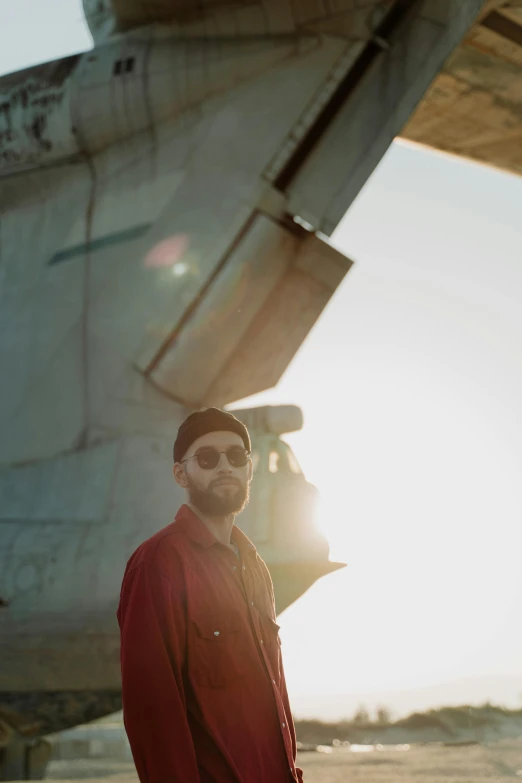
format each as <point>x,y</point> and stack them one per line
<point>208,458</point>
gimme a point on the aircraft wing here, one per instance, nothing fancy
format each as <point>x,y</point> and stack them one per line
<point>474,106</point>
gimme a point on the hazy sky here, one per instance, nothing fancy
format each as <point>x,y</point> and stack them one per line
<point>35,31</point>
<point>411,388</point>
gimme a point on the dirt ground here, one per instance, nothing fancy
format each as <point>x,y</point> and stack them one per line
<point>429,764</point>
<point>421,764</point>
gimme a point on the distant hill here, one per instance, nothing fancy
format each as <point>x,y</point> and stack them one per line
<point>449,725</point>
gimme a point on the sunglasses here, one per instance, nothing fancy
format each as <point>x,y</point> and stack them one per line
<point>208,458</point>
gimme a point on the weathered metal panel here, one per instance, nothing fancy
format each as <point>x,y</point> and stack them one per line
<point>325,183</point>
<point>192,367</point>
<point>210,18</point>
<point>313,272</point>
<point>85,104</point>
<point>73,488</point>
<point>474,106</point>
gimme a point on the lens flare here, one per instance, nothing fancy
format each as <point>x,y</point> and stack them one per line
<point>169,252</point>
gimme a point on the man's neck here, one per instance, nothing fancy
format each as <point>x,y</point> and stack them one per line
<point>220,527</point>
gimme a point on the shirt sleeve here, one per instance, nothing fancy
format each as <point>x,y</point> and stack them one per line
<point>152,623</point>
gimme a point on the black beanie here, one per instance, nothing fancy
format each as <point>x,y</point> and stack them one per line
<point>209,420</point>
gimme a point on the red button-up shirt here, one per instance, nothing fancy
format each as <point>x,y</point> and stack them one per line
<point>204,692</point>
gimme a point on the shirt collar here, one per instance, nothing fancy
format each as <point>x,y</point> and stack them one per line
<point>246,547</point>
<point>199,533</point>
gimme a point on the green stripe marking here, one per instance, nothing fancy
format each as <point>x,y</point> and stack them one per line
<point>98,244</point>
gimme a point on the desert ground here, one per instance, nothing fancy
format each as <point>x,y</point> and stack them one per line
<point>420,764</point>
<point>429,764</point>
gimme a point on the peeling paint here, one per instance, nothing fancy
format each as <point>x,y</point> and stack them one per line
<point>29,99</point>
<point>54,74</point>
<point>25,112</point>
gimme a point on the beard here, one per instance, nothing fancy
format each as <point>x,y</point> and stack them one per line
<point>211,504</point>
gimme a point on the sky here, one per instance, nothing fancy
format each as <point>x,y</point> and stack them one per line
<point>411,386</point>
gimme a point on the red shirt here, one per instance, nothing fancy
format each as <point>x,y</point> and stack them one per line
<point>204,692</point>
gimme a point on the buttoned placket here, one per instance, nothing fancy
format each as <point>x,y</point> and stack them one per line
<point>244,571</point>
<point>275,690</point>
<point>240,571</point>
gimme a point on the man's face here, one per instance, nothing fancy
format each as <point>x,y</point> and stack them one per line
<point>217,491</point>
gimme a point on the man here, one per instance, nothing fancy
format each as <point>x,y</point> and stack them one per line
<point>204,693</point>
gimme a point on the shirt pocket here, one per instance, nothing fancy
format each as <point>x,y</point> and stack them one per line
<point>218,654</point>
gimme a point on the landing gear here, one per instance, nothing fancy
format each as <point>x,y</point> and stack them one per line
<point>21,760</point>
